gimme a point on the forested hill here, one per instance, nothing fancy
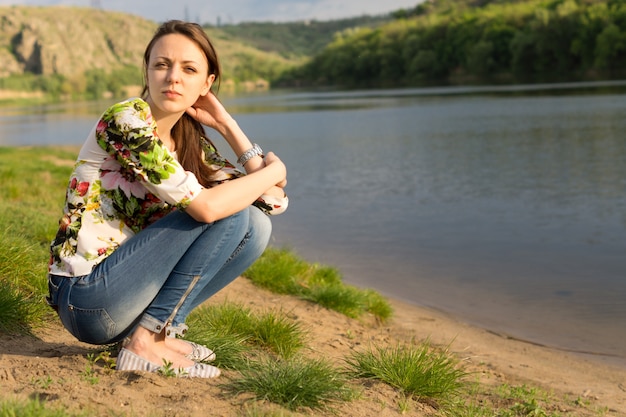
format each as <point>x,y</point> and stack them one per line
<point>300,38</point>
<point>477,41</point>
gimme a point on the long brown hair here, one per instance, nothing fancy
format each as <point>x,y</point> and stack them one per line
<point>186,133</point>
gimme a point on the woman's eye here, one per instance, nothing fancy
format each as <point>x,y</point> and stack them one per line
<point>160,65</point>
<point>190,69</point>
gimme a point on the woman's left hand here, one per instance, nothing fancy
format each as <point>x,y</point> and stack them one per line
<point>209,111</point>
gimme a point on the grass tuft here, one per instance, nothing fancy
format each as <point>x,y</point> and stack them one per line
<point>281,271</point>
<point>418,371</point>
<point>294,384</point>
<point>344,299</point>
<point>225,318</point>
<point>231,326</point>
<point>377,305</point>
<point>231,349</point>
<point>278,271</point>
<point>279,334</point>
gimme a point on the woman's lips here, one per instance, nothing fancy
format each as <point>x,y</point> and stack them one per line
<point>171,94</point>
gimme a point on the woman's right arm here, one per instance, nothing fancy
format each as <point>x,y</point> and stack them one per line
<point>233,196</point>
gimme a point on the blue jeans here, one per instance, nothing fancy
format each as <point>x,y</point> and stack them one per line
<point>156,278</point>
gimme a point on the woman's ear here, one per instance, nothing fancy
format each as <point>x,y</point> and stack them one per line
<point>209,84</point>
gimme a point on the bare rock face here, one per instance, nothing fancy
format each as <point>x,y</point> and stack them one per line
<point>69,40</point>
<point>26,48</point>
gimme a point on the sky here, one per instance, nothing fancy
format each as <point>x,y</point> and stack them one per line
<point>235,11</point>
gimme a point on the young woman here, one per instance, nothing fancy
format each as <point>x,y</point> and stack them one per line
<point>155,220</point>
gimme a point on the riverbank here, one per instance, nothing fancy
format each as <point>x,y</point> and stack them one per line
<point>53,366</point>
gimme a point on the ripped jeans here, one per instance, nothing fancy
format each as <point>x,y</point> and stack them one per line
<point>155,278</point>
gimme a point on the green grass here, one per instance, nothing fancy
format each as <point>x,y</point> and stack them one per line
<point>233,329</point>
<point>22,284</point>
<point>279,271</point>
<point>512,401</point>
<point>15,309</point>
<point>279,334</point>
<point>34,408</point>
<point>418,370</point>
<point>31,194</point>
<point>297,384</point>
<point>284,272</point>
<point>263,347</point>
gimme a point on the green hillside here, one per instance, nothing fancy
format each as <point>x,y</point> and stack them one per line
<point>58,52</point>
<point>477,41</point>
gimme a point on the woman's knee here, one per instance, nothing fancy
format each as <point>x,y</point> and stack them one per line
<point>260,226</point>
<point>256,237</point>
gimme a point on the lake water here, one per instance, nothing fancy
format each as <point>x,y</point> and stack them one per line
<point>505,207</point>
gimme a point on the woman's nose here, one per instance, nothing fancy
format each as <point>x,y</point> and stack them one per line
<point>173,74</point>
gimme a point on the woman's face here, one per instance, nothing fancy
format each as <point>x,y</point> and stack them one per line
<point>177,74</point>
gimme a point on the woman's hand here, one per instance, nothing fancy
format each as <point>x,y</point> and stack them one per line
<point>272,159</point>
<point>209,111</point>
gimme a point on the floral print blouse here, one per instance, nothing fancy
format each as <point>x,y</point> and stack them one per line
<point>124,180</point>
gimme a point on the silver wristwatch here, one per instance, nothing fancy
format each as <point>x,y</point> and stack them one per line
<point>249,154</point>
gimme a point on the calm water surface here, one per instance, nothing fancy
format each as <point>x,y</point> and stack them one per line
<point>502,206</point>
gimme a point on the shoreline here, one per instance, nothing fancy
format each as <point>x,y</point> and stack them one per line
<point>611,360</point>
<point>602,359</point>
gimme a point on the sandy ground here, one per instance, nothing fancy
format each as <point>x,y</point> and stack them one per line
<point>52,366</point>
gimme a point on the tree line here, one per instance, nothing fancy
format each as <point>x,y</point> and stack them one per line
<point>487,41</point>
<point>296,39</point>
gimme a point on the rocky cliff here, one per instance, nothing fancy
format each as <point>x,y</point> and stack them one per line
<point>69,40</point>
